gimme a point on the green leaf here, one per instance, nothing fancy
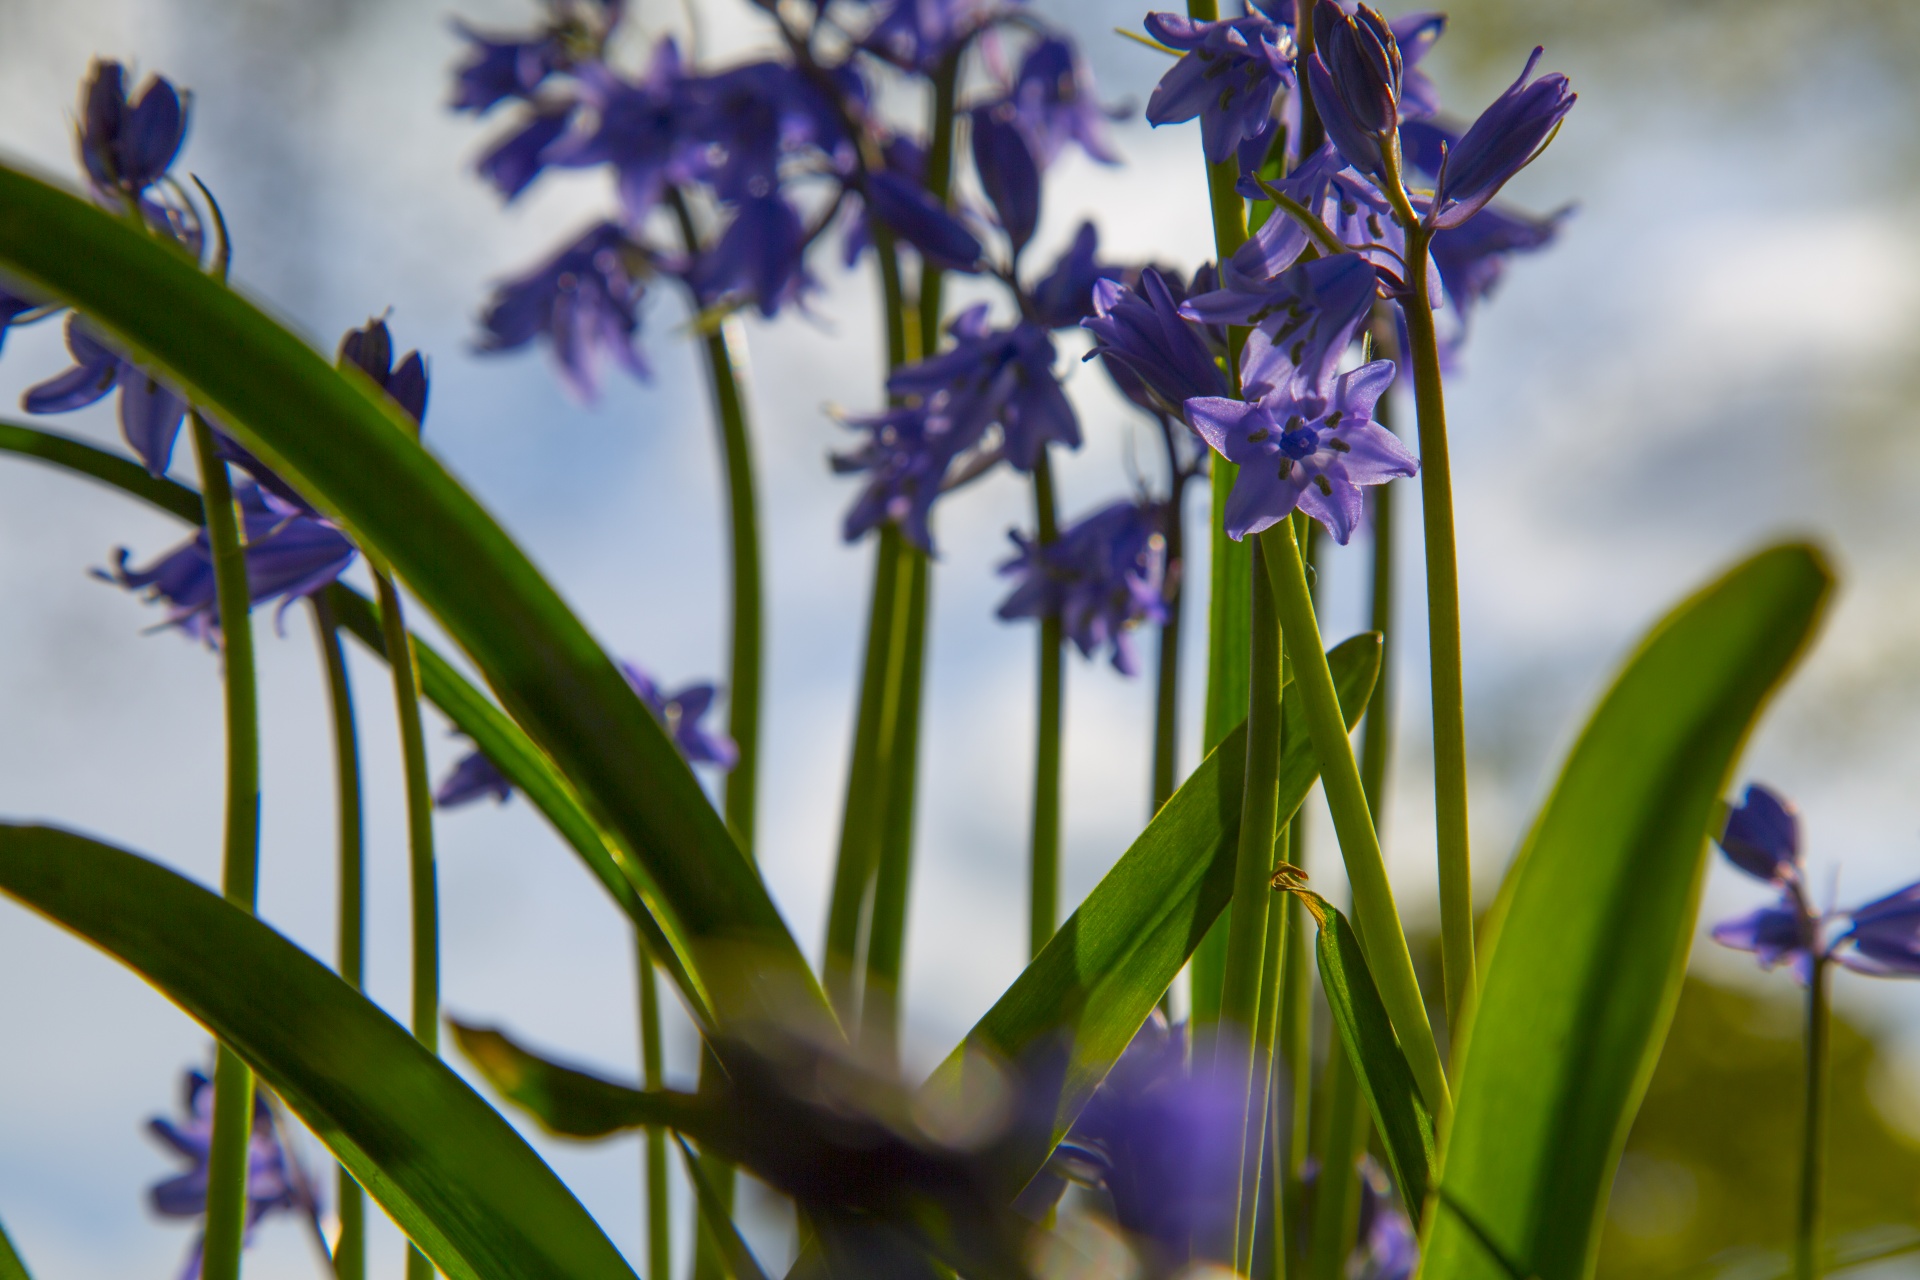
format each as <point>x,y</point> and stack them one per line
<point>1591,932</point>
<point>448,1169</point>
<point>1400,1114</point>
<point>741,1264</point>
<point>571,1103</point>
<point>1092,986</point>
<point>470,710</point>
<point>11,1268</point>
<point>350,450</point>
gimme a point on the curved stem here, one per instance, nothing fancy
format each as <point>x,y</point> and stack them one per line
<point>240,858</point>
<point>659,1216</point>
<point>425,893</point>
<point>1375,915</point>
<point>350,1252</point>
<point>1043,879</point>
<point>1813,1135</point>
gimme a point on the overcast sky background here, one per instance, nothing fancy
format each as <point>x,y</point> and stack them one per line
<point>1721,350</point>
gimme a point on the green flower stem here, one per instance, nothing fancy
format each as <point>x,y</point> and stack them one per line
<point>1166,701</point>
<point>425,893</point>
<point>1376,733</point>
<point>1296,1017</point>
<point>1257,1197</point>
<point>1236,1048</point>
<point>1443,618</point>
<point>1043,882</point>
<point>659,1215</point>
<point>1336,1210</point>
<point>946,83</point>
<point>350,1251</point>
<point>1813,1140</point>
<point>1229,613</point>
<point>1375,914</point>
<point>240,861</point>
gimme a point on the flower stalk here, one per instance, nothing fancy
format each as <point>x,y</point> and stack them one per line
<point>1166,701</point>
<point>659,1216</point>
<point>227,1167</point>
<point>1813,1135</point>
<point>1043,879</point>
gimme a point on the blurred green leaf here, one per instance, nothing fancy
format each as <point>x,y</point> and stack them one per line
<point>571,1103</point>
<point>447,1168</point>
<point>492,731</point>
<point>741,1264</point>
<point>1591,931</point>
<point>350,450</point>
<point>1087,992</point>
<point>11,1268</point>
<point>1400,1115</point>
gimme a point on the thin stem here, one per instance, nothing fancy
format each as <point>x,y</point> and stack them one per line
<point>424,891</point>
<point>1043,882</point>
<point>946,81</point>
<point>1376,917</point>
<point>240,859</point>
<point>350,1251</point>
<point>1256,1191</point>
<point>1296,1052</point>
<point>1336,1213</point>
<point>1166,702</point>
<point>1443,615</point>
<point>1376,733</point>
<point>1813,1138</point>
<point>659,1218</point>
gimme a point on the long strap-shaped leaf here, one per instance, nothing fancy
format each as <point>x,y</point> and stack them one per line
<point>444,1165</point>
<point>349,449</point>
<point>1090,988</point>
<point>490,728</point>
<point>1593,926</point>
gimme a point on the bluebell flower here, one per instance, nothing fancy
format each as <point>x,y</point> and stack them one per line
<point>1009,174</point>
<point>1762,836</point>
<point>1472,257</point>
<point>1164,1143</point>
<point>275,1181</point>
<point>1355,77</point>
<point>680,713</point>
<point>1785,932</point>
<point>912,213</point>
<point>150,411</point>
<point>749,116</point>
<point>500,68</point>
<point>1159,358</point>
<point>584,301</point>
<point>289,556</point>
<point>1306,447</point>
<point>1350,206</point>
<point>643,131</point>
<point>1883,937</point>
<point>1053,98</point>
<point>1228,75</point>
<point>989,376</point>
<point>905,459</point>
<point>760,258</point>
<point>1102,576</point>
<point>1304,319</point>
<point>12,307</point>
<point>1063,297</point>
<point>917,35</point>
<point>370,350</point>
<point>1509,134</point>
<point>129,144</point>
<point>512,164</point>
<point>901,155</point>
<point>474,777</point>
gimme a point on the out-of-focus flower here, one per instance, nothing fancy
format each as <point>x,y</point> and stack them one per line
<point>1064,296</point>
<point>747,117</point>
<point>513,162</point>
<point>12,307</point>
<point>919,34</point>
<point>680,713</point>
<point>1163,1142</point>
<point>1784,933</point>
<point>994,375</point>
<point>1415,34</point>
<point>501,66</point>
<point>1305,318</point>
<point>127,144</point>
<point>1355,76</point>
<point>760,258</point>
<point>642,130</point>
<point>1054,100</point>
<point>474,777</point>
<point>370,350</point>
<point>289,556</point>
<point>275,1182</point>
<point>1762,835</point>
<point>150,411</point>
<point>1008,172</point>
<point>1513,129</point>
<point>1101,577</point>
<point>905,458</point>
<point>1884,937</point>
<point>1159,358</point>
<point>1228,75</point>
<point>916,217</point>
<point>1312,448</point>
<point>584,301</point>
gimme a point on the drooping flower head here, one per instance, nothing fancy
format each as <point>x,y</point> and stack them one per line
<point>275,1181</point>
<point>760,259</point>
<point>1054,100</point>
<point>1304,320</point>
<point>1159,358</point>
<point>989,376</point>
<point>150,411</point>
<point>500,66</point>
<point>1228,75</point>
<point>917,35</point>
<point>904,458</point>
<point>1009,174</point>
<point>1311,448</point>
<point>584,301</point>
<point>1507,137</point>
<point>1063,298</point>
<point>680,713</point>
<point>1101,577</point>
<point>641,130</point>
<point>128,144</point>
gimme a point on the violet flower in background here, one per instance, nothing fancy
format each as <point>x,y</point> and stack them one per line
<point>680,713</point>
<point>1227,76</point>
<point>275,1182</point>
<point>1008,172</point>
<point>1063,298</point>
<point>1053,99</point>
<point>584,301</point>
<point>1416,34</point>
<point>758,259</point>
<point>128,143</point>
<point>12,307</point>
<point>1509,134</point>
<point>1158,357</point>
<point>1101,577</point>
<point>474,777</point>
<point>370,350</point>
<point>989,376</point>
<point>1312,448</point>
<point>915,216</point>
<point>502,66</point>
<point>150,411</point>
<point>905,459</point>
